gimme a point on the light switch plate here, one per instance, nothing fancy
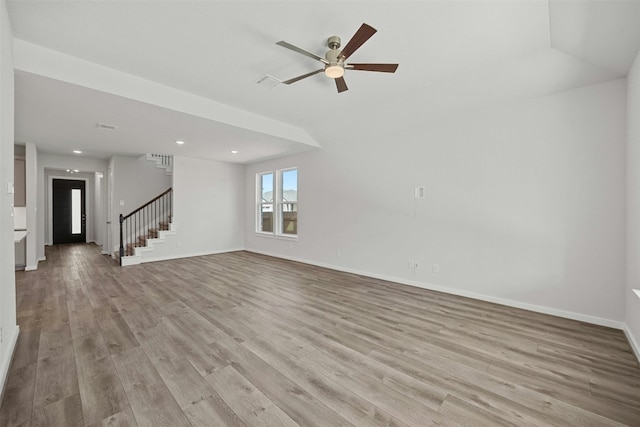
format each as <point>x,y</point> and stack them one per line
<point>9,187</point>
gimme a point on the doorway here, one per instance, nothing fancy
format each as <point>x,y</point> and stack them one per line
<point>69,211</point>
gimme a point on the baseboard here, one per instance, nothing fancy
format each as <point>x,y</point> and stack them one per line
<point>6,361</point>
<point>31,267</point>
<point>502,301</point>
<point>632,342</point>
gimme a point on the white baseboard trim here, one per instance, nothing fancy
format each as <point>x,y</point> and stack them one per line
<point>502,301</point>
<point>632,342</point>
<point>31,267</point>
<point>6,361</point>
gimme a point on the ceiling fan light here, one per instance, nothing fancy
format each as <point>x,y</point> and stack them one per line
<point>334,71</point>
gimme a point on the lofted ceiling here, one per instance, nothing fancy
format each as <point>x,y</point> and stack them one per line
<point>165,70</point>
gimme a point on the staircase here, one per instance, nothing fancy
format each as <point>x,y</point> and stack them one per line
<point>163,161</point>
<point>145,229</point>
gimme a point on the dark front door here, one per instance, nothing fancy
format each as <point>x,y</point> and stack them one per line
<point>69,218</point>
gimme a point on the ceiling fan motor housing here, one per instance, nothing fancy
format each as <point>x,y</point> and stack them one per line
<point>333,42</point>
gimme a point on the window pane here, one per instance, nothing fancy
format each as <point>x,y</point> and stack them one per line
<point>290,186</point>
<point>266,184</point>
<point>289,218</point>
<point>76,212</point>
<point>288,198</point>
<point>266,217</point>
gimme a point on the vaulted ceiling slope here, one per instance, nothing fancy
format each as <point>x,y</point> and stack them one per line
<point>163,70</point>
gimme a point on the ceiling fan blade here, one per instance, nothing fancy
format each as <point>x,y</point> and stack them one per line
<point>363,34</point>
<point>383,68</point>
<point>304,76</point>
<point>341,84</point>
<point>302,51</point>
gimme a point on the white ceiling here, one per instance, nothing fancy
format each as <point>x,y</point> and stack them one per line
<point>454,56</point>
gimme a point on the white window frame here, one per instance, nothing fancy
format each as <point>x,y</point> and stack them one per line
<point>277,203</point>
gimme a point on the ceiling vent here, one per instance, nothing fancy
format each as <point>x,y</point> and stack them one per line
<point>105,126</point>
<point>268,81</point>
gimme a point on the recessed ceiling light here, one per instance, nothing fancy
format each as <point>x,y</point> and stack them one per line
<point>76,170</point>
<point>68,170</point>
<point>234,151</point>
<point>179,142</point>
<point>77,151</point>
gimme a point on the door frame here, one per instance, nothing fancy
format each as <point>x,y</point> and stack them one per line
<point>50,204</point>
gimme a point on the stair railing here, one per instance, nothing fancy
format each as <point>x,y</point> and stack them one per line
<point>145,222</point>
<point>164,160</point>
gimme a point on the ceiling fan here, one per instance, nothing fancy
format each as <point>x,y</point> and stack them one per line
<point>334,59</point>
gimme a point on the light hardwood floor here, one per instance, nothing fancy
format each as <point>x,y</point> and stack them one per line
<point>244,339</point>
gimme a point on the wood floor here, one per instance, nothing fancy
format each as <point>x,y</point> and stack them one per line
<point>243,339</point>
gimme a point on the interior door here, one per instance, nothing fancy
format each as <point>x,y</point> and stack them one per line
<point>69,213</point>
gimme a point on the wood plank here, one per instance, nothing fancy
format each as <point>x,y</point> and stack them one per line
<point>246,339</point>
<point>183,380</point>
<point>17,404</point>
<point>56,375</point>
<point>100,389</point>
<point>212,411</point>
<point>64,412</point>
<point>251,406</point>
<point>121,419</point>
<point>298,404</point>
<point>149,397</point>
<point>116,332</point>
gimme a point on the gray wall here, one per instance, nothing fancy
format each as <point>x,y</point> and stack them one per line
<point>632,302</point>
<point>136,181</point>
<point>524,205</point>
<point>8,324</point>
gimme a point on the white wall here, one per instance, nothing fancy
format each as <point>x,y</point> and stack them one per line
<point>208,201</point>
<point>55,165</point>
<point>8,324</point>
<point>135,182</point>
<point>31,157</point>
<point>524,204</point>
<point>632,302</point>
<point>99,190</point>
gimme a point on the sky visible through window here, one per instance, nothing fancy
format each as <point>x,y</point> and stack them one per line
<point>289,182</point>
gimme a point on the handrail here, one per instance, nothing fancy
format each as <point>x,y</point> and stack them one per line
<point>145,222</point>
<point>148,203</point>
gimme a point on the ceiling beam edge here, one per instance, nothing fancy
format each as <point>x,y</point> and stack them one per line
<point>46,62</point>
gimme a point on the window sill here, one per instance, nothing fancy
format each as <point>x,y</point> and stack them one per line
<point>277,237</point>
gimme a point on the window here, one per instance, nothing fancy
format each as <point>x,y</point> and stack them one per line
<point>265,203</point>
<point>277,204</point>
<point>76,211</point>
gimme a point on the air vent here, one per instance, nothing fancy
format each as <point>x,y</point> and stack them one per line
<point>268,81</point>
<point>105,126</point>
